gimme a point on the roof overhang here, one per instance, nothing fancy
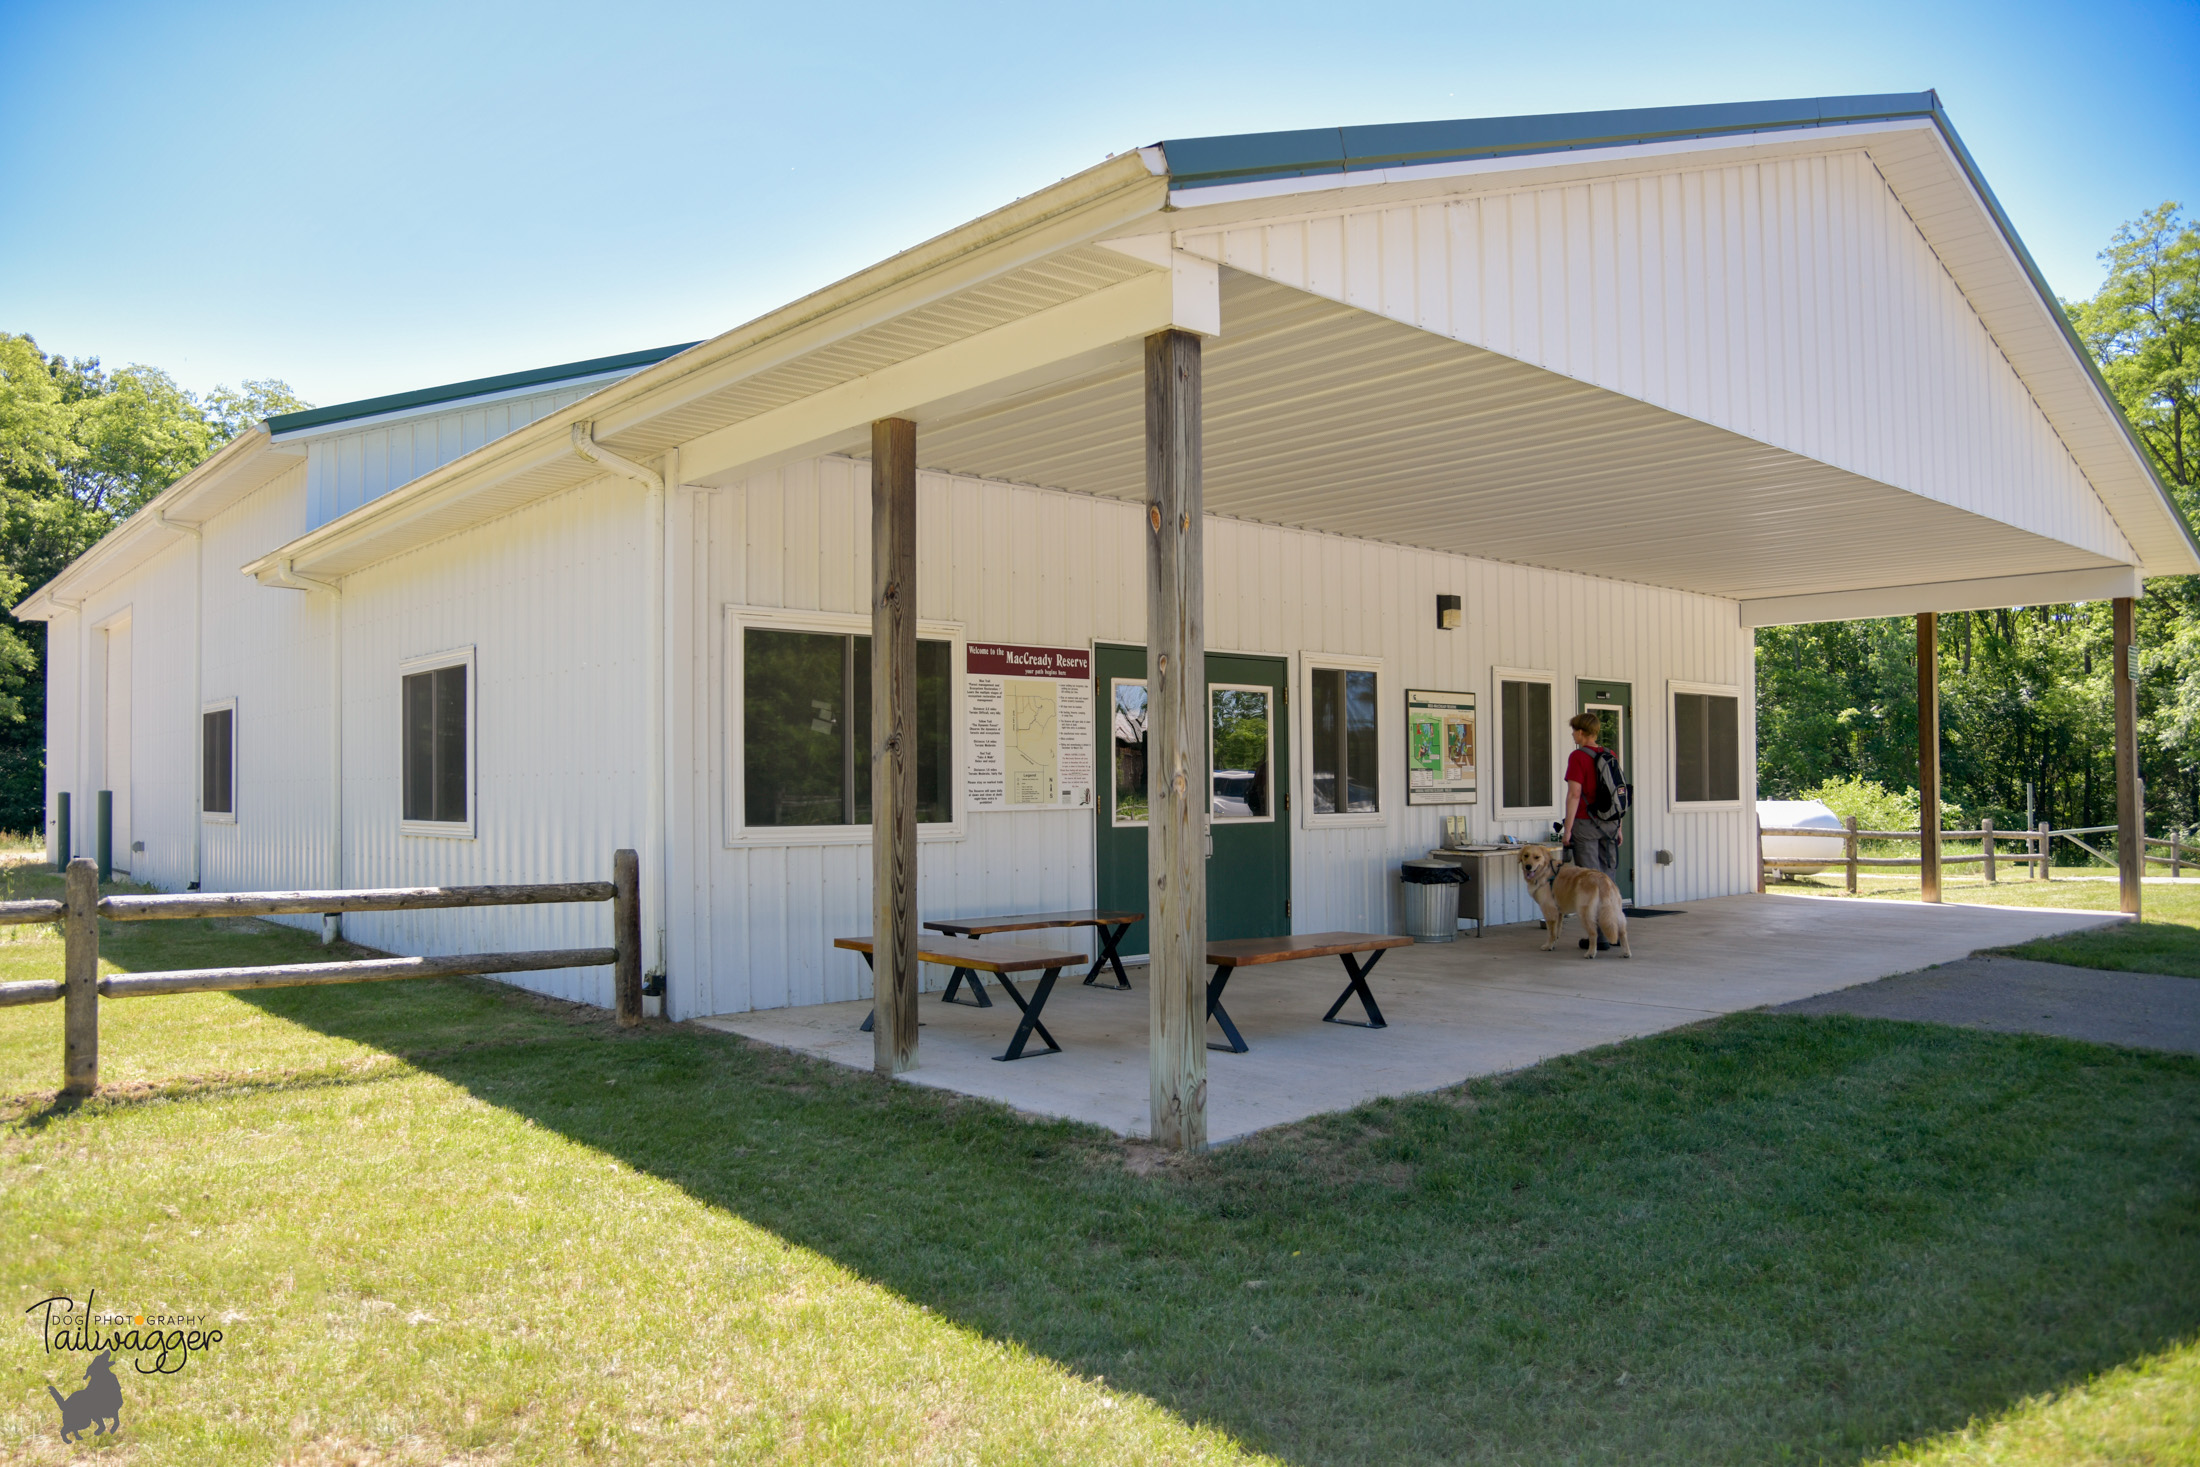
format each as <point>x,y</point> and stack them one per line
<point>243,466</point>
<point>1042,303</point>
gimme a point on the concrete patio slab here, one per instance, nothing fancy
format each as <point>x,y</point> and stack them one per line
<point>1456,1010</point>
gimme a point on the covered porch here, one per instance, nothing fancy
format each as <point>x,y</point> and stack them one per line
<point>1455,1011</point>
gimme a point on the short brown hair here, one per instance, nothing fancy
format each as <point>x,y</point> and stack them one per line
<point>1587,723</point>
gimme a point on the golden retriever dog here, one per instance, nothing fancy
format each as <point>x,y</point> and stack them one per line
<point>1590,895</point>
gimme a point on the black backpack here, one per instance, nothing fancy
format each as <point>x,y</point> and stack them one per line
<point>1614,793</point>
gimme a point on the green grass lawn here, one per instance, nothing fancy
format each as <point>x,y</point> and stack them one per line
<point>2166,940</point>
<point>447,1222</point>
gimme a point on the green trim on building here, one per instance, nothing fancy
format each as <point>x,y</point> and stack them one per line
<point>1251,157</point>
<point>479,387</point>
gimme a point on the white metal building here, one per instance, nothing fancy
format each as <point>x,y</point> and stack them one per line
<point>1627,384</point>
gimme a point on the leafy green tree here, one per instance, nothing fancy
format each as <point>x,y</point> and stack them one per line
<point>81,450</point>
<point>2027,719</point>
<point>2143,327</point>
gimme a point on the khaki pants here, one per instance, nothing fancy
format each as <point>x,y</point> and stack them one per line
<point>1595,845</point>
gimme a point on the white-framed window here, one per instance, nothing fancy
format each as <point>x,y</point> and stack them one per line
<point>1706,724</point>
<point>1241,752</point>
<point>1341,730</point>
<point>1525,702</point>
<point>436,710</point>
<point>218,762</point>
<point>798,728</point>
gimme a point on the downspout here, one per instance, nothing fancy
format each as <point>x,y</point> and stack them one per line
<point>198,688</point>
<point>332,924</point>
<point>653,694</point>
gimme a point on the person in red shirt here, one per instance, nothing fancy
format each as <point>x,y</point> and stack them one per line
<point>1594,842</point>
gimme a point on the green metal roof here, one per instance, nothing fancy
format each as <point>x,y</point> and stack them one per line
<point>1309,152</point>
<point>478,387</point>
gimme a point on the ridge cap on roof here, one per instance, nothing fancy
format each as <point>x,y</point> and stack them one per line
<point>1257,156</point>
<point>368,407</point>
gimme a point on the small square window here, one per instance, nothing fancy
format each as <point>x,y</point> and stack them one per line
<point>1707,747</point>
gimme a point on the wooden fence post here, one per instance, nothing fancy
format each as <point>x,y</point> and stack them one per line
<point>2046,841</point>
<point>80,981</point>
<point>626,936</point>
<point>1986,831</point>
<point>1852,844</point>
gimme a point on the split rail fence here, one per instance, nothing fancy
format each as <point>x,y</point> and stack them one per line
<point>2037,842</point>
<point>81,906</point>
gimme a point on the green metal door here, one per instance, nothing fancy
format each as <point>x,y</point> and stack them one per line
<point>1614,704</point>
<point>1249,870</point>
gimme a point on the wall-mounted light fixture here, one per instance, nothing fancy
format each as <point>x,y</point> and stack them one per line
<point>1447,613</point>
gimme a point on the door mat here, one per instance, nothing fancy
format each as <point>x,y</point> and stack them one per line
<point>1657,911</point>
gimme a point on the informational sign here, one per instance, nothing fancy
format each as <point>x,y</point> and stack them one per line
<point>1441,749</point>
<point>1030,729</point>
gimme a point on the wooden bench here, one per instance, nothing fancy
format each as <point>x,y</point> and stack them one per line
<point>1111,925</point>
<point>1248,952</point>
<point>1000,959</point>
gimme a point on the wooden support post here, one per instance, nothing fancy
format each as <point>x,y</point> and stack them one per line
<point>1851,844</point>
<point>80,981</point>
<point>1986,833</point>
<point>2044,843</point>
<point>1178,797</point>
<point>2130,819</point>
<point>626,936</point>
<point>894,745</point>
<point>1928,756</point>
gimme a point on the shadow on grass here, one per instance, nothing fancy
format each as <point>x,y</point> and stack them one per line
<point>1766,1238</point>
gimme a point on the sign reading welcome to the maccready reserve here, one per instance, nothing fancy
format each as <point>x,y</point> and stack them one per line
<point>1030,712</point>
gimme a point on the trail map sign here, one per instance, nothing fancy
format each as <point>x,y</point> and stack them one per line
<point>1030,726</point>
<point>1440,748</point>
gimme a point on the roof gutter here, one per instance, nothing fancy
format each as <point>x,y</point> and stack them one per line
<point>1076,209</point>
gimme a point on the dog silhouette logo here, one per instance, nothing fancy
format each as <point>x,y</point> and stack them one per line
<point>100,1400</point>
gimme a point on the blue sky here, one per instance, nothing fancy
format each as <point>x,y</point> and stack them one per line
<point>362,199</point>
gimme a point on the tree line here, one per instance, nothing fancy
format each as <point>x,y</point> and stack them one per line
<point>2027,717</point>
<point>81,450</point>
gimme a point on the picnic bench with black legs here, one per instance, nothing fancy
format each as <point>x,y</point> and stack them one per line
<point>1000,960</point>
<point>1247,952</point>
<point>1110,925</point>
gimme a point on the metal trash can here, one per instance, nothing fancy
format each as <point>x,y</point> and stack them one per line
<point>1432,900</point>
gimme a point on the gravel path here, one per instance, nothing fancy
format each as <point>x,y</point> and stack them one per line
<point>2018,996</point>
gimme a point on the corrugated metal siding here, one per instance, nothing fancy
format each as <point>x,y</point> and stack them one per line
<point>346,470</point>
<point>549,598</point>
<point>269,649</point>
<point>752,924</point>
<point>1791,301</point>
